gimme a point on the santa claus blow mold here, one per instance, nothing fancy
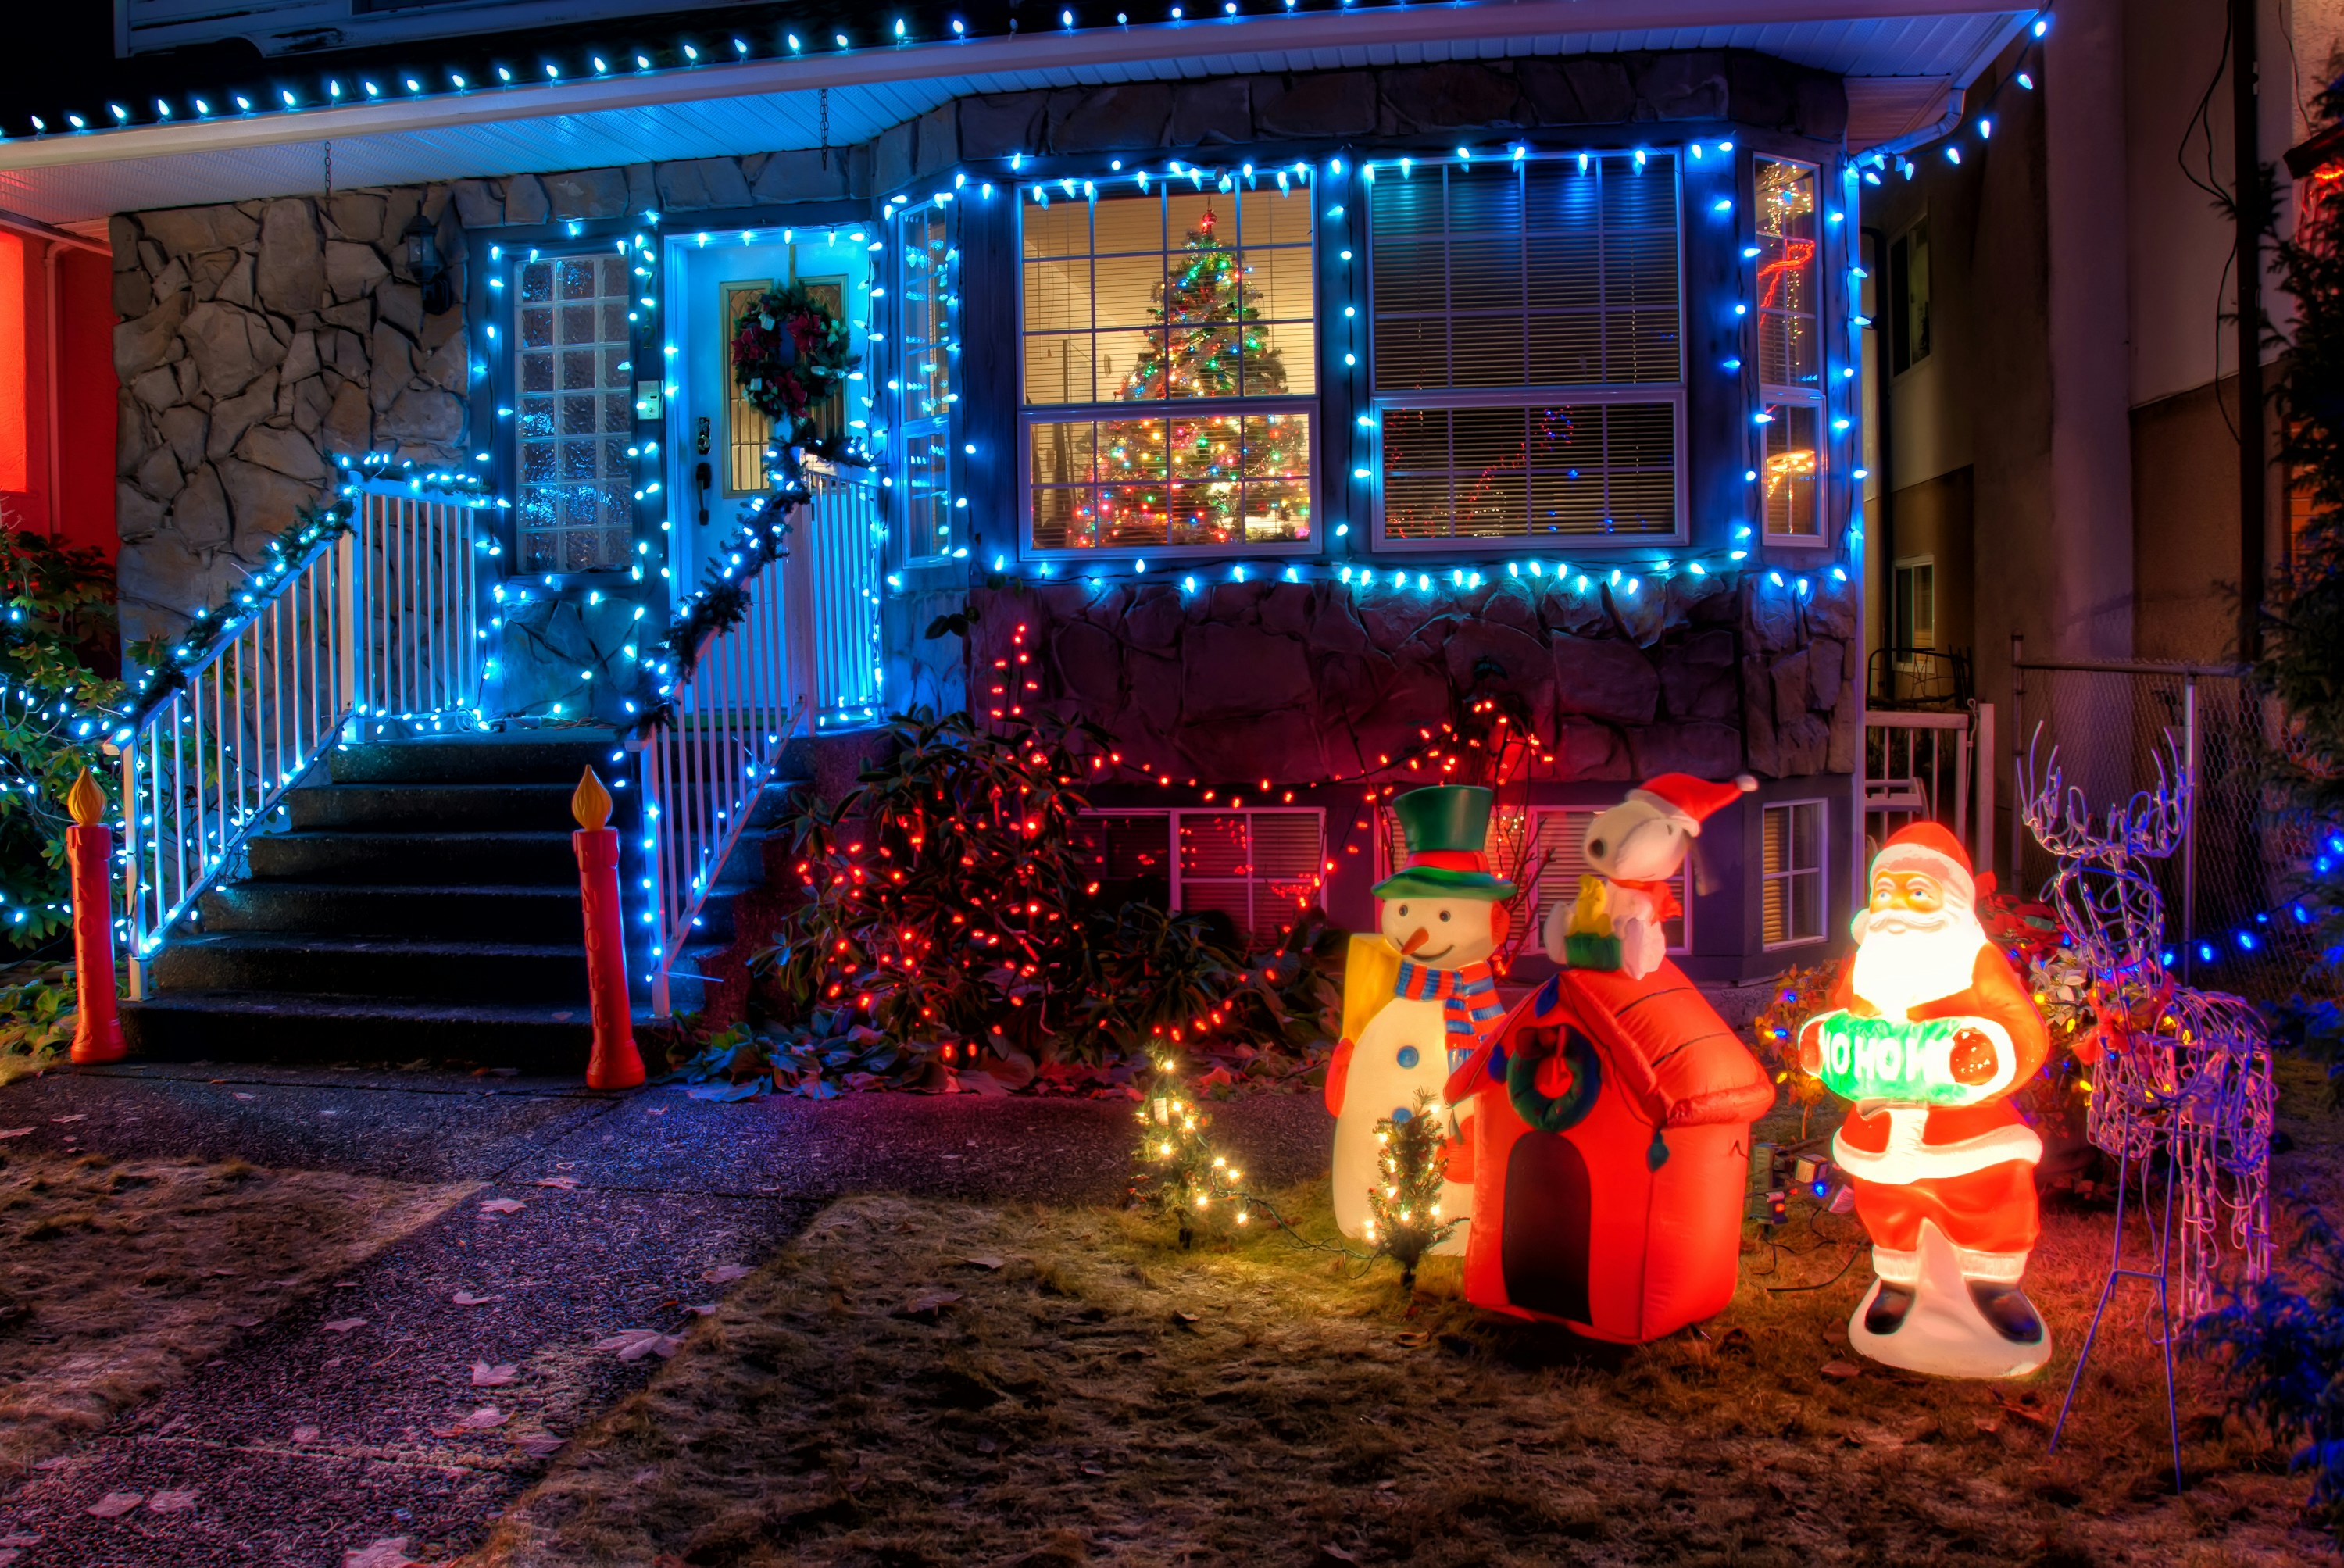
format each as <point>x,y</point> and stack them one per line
<point>1929,1032</point>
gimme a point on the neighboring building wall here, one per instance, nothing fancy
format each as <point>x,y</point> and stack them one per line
<point>55,480</point>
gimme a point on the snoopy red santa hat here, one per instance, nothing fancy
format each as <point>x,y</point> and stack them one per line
<point>1690,800</point>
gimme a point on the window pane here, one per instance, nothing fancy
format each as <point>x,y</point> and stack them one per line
<point>1792,472</point>
<point>1461,256</point>
<point>1512,472</point>
<point>1789,265</point>
<point>1204,480</point>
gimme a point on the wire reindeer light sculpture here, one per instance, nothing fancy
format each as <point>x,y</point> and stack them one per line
<point>2176,1071</point>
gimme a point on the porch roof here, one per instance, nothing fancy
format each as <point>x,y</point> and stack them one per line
<point>765,105</point>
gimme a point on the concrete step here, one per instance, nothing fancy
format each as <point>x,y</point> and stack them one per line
<point>428,808</point>
<point>524,756</point>
<point>230,1025</point>
<point>455,912</point>
<point>506,859</point>
<point>418,969</point>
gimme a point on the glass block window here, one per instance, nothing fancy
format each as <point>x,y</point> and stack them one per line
<point>576,416</point>
<point>1789,348</point>
<point>1526,345</point>
<point>1200,304</point>
<point>926,302</point>
<point>1793,870</point>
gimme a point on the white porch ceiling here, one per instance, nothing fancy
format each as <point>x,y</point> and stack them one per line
<point>771,105</point>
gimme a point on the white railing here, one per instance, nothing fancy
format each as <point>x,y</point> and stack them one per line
<point>1931,766</point>
<point>377,621</point>
<point>705,764</point>
<point>837,551</point>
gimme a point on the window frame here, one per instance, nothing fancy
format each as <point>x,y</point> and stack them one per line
<point>1820,871</point>
<point>1171,817</point>
<point>1904,598</point>
<point>902,429</point>
<point>1774,395</point>
<point>1674,394</point>
<point>1313,404</point>
<point>495,302</point>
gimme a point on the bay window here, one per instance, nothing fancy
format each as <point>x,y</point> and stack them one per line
<point>1527,366</point>
<point>926,380</point>
<point>1168,371</point>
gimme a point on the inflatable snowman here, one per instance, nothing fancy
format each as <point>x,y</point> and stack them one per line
<point>1418,995</point>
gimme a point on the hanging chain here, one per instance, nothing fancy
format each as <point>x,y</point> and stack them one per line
<point>825,97</point>
<point>329,168</point>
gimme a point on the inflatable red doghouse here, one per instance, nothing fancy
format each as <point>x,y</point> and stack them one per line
<point>1611,1148</point>
<point>1611,1155</point>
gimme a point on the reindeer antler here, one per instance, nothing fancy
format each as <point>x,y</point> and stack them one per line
<point>2150,825</point>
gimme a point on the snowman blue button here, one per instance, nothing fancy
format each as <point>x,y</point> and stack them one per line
<point>1408,1057</point>
<point>1401,1112</point>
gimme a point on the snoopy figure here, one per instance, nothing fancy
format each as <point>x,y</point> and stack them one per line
<point>1637,848</point>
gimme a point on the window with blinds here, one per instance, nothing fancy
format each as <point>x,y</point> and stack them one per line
<point>1792,865</point>
<point>1539,851</point>
<point>1260,868</point>
<point>1528,349</point>
<point>1168,370</point>
<point>1789,348</point>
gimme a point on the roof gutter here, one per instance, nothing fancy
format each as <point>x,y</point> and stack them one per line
<point>1958,93</point>
<point>1071,50</point>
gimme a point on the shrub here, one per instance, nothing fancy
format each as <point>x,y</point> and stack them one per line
<point>951,911</point>
<point>58,604</point>
<point>2286,1346</point>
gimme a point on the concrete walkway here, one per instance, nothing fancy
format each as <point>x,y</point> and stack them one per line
<point>304,1443</point>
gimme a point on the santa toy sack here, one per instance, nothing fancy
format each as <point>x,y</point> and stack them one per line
<point>1929,1032</point>
<point>1610,1129</point>
<point>1417,996</point>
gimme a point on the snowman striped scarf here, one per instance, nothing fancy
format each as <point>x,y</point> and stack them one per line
<point>1468,999</point>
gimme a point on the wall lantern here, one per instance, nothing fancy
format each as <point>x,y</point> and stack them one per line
<point>421,241</point>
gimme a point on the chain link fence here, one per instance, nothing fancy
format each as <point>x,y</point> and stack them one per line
<point>2228,922</point>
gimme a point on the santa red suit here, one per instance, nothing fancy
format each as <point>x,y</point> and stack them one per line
<point>1969,1168</point>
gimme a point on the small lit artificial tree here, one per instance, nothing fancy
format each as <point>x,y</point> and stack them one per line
<point>1177,1172</point>
<point>1404,1208</point>
<point>1212,345</point>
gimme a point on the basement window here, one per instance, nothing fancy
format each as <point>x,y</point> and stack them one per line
<point>1792,864</point>
<point>1258,868</point>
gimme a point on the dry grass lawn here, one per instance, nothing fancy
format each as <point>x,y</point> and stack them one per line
<point>1093,1394</point>
<point>117,1277</point>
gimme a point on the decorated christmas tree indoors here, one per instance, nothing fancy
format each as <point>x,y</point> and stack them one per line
<point>1212,344</point>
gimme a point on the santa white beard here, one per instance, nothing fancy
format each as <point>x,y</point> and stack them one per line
<point>1904,958</point>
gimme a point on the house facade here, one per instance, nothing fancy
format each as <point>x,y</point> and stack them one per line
<point>1315,404</point>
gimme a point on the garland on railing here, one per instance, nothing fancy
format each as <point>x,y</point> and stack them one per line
<point>315,530</point>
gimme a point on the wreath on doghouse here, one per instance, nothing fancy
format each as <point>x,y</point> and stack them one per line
<point>789,353</point>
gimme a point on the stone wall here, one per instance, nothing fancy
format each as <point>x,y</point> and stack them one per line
<point>1306,682</point>
<point>260,342</point>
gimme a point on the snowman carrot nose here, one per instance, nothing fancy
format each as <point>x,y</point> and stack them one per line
<point>1413,943</point>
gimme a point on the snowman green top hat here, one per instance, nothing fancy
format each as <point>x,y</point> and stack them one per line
<point>1445,827</point>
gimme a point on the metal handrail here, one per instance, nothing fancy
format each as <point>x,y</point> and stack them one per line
<point>379,620</point>
<point>806,644</point>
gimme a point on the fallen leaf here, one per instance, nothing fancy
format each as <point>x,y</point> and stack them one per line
<point>172,1501</point>
<point>1334,1554</point>
<point>305,1434</point>
<point>343,1325</point>
<point>697,1310</point>
<point>1093,1469</point>
<point>115,1504</point>
<point>15,1131</point>
<point>984,1260</point>
<point>539,1444</point>
<point>656,1110</point>
<point>1414,1338</point>
<point>466,1299</point>
<point>246,1323</point>
<point>1843,1371</point>
<point>389,1554</point>
<point>77,1116</point>
<point>8,1555</point>
<point>635,1344</point>
<point>501,1206</point>
<point>725,1273</point>
<point>242,1096</point>
<point>929,1306</point>
<point>485,1376</point>
<point>566,1183</point>
<point>19,1539</point>
<point>1185,1320</point>
<point>488,1418</point>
